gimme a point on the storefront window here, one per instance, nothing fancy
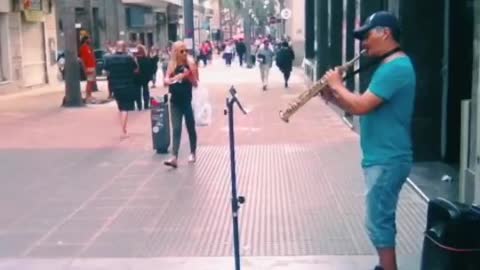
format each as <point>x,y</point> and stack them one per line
<point>31,5</point>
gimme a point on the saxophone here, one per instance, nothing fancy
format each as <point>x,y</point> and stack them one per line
<point>313,91</point>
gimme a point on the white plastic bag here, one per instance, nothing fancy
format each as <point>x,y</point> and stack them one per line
<point>202,109</point>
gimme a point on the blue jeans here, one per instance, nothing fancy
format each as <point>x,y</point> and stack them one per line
<point>383,186</point>
<point>179,111</point>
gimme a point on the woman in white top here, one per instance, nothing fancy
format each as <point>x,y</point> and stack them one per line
<point>228,53</point>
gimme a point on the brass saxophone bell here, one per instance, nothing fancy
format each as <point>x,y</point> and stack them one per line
<point>282,116</point>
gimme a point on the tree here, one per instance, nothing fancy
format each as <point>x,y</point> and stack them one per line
<point>235,11</point>
<point>232,4</point>
<point>261,12</point>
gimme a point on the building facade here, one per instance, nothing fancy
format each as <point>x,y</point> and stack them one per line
<point>157,22</point>
<point>295,28</point>
<point>215,24</point>
<point>103,20</point>
<point>203,20</point>
<point>149,22</point>
<point>28,47</point>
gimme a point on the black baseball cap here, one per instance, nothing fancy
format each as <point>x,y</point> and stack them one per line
<point>378,19</point>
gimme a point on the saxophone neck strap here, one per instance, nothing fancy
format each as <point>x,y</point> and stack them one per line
<point>376,61</point>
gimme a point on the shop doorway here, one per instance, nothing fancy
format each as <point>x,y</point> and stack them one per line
<point>460,59</point>
<point>172,32</point>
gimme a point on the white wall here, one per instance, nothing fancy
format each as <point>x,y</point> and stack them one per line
<point>5,6</point>
<point>13,56</point>
<point>51,45</point>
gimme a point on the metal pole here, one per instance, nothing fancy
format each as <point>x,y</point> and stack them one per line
<point>189,35</point>
<point>73,95</point>
<point>464,145</point>
<point>236,200</point>
<point>247,31</point>
<point>445,71</point>
<point>235,206</point>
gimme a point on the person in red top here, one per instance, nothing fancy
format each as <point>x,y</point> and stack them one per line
<point>89,65</point>
<point>204,52</point>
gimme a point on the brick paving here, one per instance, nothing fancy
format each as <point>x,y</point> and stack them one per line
<point>71,188</point>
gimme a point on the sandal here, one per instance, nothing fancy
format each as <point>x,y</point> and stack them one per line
<point>172,163</point>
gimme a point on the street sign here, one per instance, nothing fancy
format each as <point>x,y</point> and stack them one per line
<point>286,13</point>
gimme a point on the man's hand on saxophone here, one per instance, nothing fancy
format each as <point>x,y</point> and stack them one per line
<point>334,78</point>
<point>347,100</point>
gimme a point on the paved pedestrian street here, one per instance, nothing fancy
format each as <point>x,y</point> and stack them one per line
<point>74,195</point>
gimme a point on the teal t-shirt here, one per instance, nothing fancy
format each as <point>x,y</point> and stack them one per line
<point>385,133</point>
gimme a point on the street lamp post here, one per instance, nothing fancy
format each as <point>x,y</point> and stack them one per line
<point>247,30</point>
<point>189,35</point>
<point>73,95</point>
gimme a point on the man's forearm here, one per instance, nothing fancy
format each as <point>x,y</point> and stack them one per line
<point>345,99</point>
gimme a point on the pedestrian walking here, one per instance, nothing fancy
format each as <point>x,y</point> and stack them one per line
<point>143,77</point>
<point>154,58</point>
<point>386,109</point>
<point>165,59</point>
<point>204,50</point>
<point>89,65</point>
<point>121,69</point>
<point>228,53</point>
<point>182,76</point>
<point>241,49</point>
<point>265,58</point>
<point>110,49</point>
<point>284,61</point>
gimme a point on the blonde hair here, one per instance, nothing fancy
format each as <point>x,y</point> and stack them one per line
<point>143,48</point>
<point>174,55</point>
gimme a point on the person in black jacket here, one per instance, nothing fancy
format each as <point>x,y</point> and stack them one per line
<point>121,69</point>
<point>144,76</point>
<point>284,61</point>
<point>155,58</point>
<point>241,49</point>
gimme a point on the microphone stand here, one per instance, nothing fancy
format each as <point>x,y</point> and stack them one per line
<point>236,201</point>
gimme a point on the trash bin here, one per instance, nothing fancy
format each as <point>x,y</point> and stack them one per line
<point>452,236</point>
<point>160,118</point>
